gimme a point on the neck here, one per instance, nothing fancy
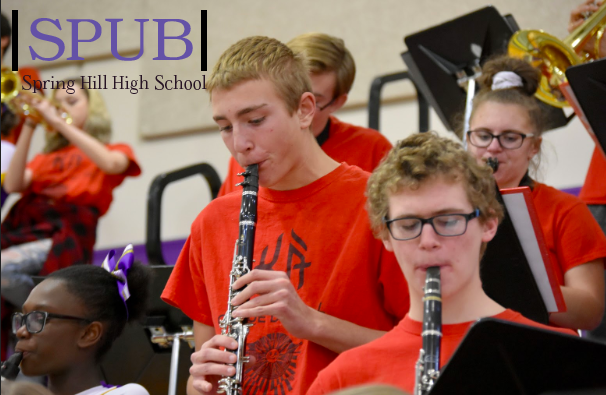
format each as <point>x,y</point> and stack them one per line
<point>468,304</point>
<point>313,165</point>
<point>77,379</point>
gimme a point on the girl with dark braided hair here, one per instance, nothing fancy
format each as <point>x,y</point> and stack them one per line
<point>70,320</point>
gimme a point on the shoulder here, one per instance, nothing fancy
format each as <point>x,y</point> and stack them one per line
<point>514,316</point>
<point>130,389</point>
<point>120,147</point>
<point>546,194</point>
<point>218,208</point>
<point>359,132</point>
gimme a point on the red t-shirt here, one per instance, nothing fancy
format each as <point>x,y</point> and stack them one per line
<point>347,143</point>
<point>594,188</point>
<point>391,359</point>
<point>320,236</point>
<point>572,235</point>
<point>68,175</point>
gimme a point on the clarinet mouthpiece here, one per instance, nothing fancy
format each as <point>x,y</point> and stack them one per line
<point>10,367</point>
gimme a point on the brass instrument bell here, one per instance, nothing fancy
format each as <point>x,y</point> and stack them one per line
<point>553,56</point>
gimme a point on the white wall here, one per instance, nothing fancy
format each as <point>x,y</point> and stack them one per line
<point>567,156</point>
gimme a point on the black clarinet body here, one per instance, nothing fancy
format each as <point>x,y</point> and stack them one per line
<point>428,365</point>
<point>238,328</point>
<point>10,367</point>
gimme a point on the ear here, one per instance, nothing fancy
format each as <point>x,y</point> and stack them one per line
<point>535,148</point>
<point>387,243</point>
<point>91,335</point>
<point>489,229</point>
<point>307,109</point>
<point>339,102</point>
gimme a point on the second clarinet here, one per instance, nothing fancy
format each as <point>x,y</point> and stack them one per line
<point>238,328</point>
<point>428,365</point>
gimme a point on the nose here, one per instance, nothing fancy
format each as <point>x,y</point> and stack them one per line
<point>429,239</point>
<point>494,145</point>
<point>241,140</point>
<point>22,332</point>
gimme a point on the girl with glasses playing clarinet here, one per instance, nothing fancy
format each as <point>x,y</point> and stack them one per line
<point>70,320</point>
<point>506,124</point>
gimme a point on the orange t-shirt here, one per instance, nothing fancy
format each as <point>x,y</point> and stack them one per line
<point>572,235</point>
<point>320,236</point>
<point>391,359</point>
<point>68,175</point>
<point>594,188</point>
<point>347,143</point>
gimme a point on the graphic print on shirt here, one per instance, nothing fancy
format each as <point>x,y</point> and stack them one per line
<point>296,253</point>
<point>61,164</point>
<point>275,364</point>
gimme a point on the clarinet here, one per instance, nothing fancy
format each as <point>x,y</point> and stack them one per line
<point>238,328</point>
<point>428,365</point>
<point>10,367</point>
<point>493,163</point>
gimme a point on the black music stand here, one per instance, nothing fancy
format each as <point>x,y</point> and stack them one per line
<point>442,59</point>
<point>499,357</point>
<point>133,358</point>
<point>506,274</point>
<point>588,82</point>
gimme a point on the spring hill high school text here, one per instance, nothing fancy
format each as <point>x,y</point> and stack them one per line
<point>103,82</point>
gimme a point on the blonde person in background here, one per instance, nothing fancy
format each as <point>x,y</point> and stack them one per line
<point>332,71</point>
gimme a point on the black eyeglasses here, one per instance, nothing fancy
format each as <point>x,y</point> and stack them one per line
<point>326,105</point>
<point>508,140</point>
<point>447,225</point>
<point>36,320</point>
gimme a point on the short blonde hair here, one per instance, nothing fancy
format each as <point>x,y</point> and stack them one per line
<point>324,53</point>
<point>423,157</point>
<point>98,122</point>
<point>256,58</point>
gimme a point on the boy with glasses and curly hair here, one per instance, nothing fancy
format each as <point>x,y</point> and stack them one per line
<point>433,206</point>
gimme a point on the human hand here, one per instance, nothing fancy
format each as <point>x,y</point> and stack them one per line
<point>210,363</point>
<point>579,14</point>
<point>275,296</point>
<point>48,112</point>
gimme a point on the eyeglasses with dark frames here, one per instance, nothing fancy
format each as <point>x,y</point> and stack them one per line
<point>324,107</point>
<point>447,225</point>
<point>35,321</point>
<point>507,140</point>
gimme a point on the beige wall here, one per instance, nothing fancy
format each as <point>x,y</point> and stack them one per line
<point>373,29</point>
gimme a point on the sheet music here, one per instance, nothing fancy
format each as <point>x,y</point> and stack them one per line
<point>518,211</point>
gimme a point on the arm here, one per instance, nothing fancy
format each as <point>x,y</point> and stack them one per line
<point>18,178</point>
<point>276,296</point>
<point>209,362</point>
<point>110,162</point>
<point>583,292</point>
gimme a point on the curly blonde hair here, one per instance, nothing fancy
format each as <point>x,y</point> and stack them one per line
<point>98,122</point>
<point>256,58</point>
<point>423,157</point>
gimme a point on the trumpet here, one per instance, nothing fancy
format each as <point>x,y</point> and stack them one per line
<point>19,102</point>
<point>553,56</point>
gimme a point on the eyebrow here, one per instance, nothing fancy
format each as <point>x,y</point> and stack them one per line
<point>450,210</point>
<point>492,131</point>
<point>243,111</point>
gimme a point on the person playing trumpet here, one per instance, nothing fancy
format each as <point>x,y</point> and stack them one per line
<point>65,189</point>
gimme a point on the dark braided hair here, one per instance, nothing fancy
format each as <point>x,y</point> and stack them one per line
<point>98,291</point>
